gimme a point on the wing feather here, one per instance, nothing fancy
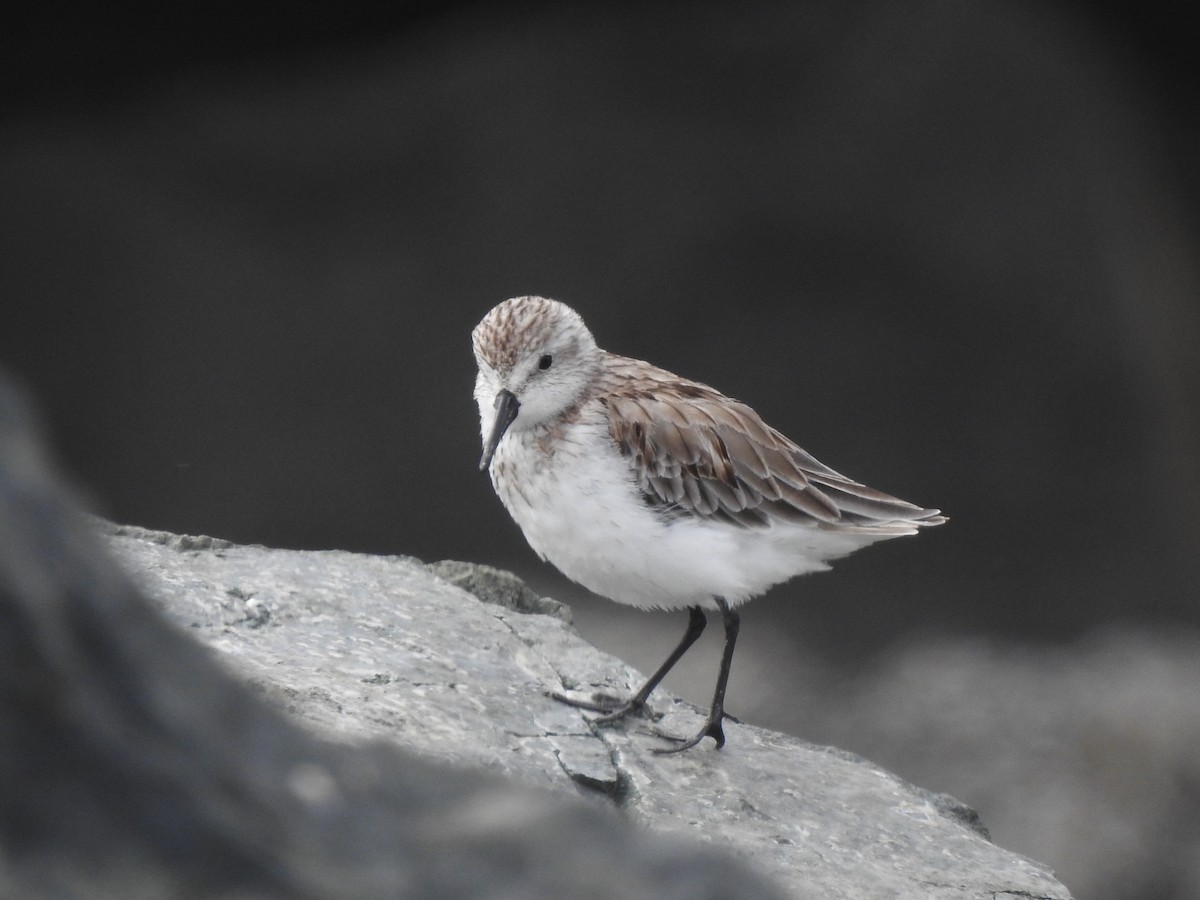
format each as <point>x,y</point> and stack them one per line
<point>697,452</point>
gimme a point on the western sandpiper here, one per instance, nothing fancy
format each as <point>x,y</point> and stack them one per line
<point>653,490</point>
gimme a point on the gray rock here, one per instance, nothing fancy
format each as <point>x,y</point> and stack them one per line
<point>494,585</point>
<point>363,647</point>
<point>135,762</point>
<point>133,766</point>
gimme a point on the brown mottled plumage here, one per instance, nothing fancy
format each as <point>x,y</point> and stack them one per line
<point>697,452</point>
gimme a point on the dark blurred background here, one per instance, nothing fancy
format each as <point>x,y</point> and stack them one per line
<point>950,248</point>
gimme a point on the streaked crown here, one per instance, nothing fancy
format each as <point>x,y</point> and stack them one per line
<point>521,325</point>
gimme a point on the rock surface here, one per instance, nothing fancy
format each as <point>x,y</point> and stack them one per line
<point>133,766</point>
<point>137,763</point>
<point>371,647</point>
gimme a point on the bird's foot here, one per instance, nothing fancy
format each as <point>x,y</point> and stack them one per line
<point>712,728</point>
<point>614,709</point>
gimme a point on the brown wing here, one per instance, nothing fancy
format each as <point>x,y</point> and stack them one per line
<point>698,452</point>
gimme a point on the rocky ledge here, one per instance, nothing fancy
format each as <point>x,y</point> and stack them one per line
<point>331,725</point>
<point>453,661</point>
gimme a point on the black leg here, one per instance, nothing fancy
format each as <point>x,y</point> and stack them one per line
<point>617,710</point>
<point>712,725</point>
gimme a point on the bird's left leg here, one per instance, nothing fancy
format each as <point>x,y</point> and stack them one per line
<point>712,724</point>
<point>615,709</point>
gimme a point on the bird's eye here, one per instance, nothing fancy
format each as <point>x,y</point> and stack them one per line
<point>545,361</point>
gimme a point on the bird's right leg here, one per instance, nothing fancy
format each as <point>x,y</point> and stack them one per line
<point>614,709</point>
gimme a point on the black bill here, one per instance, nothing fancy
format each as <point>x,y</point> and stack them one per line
<point>507,407</point>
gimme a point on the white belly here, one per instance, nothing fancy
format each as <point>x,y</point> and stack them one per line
<point>580,510</point>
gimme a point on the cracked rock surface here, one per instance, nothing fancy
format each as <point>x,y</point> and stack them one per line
<point>388,647</point>
<point>134,767</point>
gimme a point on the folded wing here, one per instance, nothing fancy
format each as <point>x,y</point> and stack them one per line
<point>697,452</point>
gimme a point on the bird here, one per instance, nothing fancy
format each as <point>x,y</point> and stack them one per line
<point>654,490</point>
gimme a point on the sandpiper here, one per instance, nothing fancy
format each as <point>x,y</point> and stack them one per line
<point>653,490</point>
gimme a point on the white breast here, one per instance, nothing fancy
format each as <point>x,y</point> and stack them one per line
<point>574,496</point>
